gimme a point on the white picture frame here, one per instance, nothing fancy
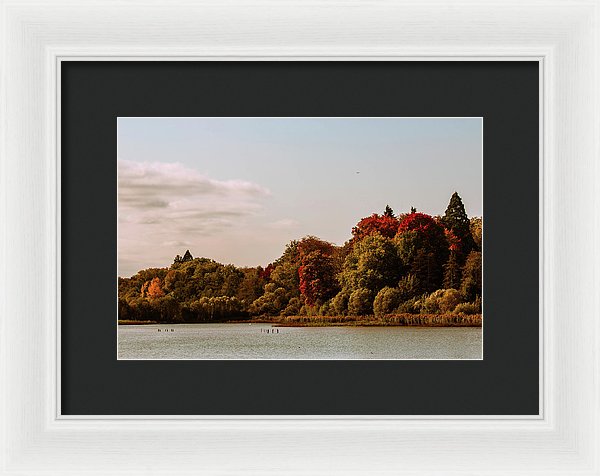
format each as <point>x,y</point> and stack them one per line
<point>562,35</point>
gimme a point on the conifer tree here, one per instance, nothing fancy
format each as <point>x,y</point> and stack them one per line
<point>389,212</point>
<point>456,220</point>
<point>452,272</point>
<point>187,257</point>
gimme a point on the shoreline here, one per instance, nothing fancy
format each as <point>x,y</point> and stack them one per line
<point>394,320</point>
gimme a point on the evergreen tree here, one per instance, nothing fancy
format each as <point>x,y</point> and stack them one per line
<point>187,257</point>
<point>426,271</point>
<point>452,272</point>
<point>389,212</point>
<point>456,220</point>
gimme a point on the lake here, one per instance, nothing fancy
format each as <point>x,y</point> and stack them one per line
<point>263,341</point>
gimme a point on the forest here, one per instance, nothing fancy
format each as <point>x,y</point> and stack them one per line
<point>409,265</point>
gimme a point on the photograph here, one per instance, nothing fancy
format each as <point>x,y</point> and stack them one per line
<point>300,238</point>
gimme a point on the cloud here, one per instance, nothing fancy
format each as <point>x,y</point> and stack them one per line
<point>284,224</point>
<point>168,204</point>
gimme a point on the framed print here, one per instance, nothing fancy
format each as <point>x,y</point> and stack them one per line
<point>236,235</point>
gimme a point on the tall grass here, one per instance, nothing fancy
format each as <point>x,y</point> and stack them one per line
<point>130,322</point>
<point>424,320</point>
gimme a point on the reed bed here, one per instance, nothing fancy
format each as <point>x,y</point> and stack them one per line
<point>130,322</point>
<point>423,320</point>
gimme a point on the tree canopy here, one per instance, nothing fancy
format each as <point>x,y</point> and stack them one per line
<point>410,262</point>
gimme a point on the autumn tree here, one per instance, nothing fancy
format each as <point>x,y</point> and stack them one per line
<point>423,249</point>
<point>390,259</point>
<point>386,225</point>
<point>318,280</point>
<point>131,288</point>
<point>154,290</point>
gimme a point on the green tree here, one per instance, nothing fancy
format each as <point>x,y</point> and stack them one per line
<point>408,287</point>
<point>125,311</point>
<point>285,270</point>
<point>360,302</point>
<point>339,304</point>
<point>426,268</point>
<point>293,307</point>
<point>452,272</point>
<point>471,281</point>
<point>386,301</point>
<point>272,302</point>
<point>373,264</point>
<point>167,308</point>
<point>476,227</point>
<point>251,285</point>
<point>441,301</point>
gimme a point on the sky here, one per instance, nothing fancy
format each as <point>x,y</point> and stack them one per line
<point>237,190</point>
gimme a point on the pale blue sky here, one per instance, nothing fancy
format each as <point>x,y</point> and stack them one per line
<point>238,189</point>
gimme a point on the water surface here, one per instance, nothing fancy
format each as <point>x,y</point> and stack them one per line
<point>262,341</point>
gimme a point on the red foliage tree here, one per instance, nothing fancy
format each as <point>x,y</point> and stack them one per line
<point>317,271</point>
<point>424,248</point>
<point>317,278</point>
<point>266,273</point>
<point>308,244</point>
<point>453,240</point>
<point>385,225</point>
<point>421,223</point>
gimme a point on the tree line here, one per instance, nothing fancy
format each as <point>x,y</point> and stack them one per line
<point>394,264</point>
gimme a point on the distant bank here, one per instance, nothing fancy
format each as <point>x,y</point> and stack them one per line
<point>421,320</point>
